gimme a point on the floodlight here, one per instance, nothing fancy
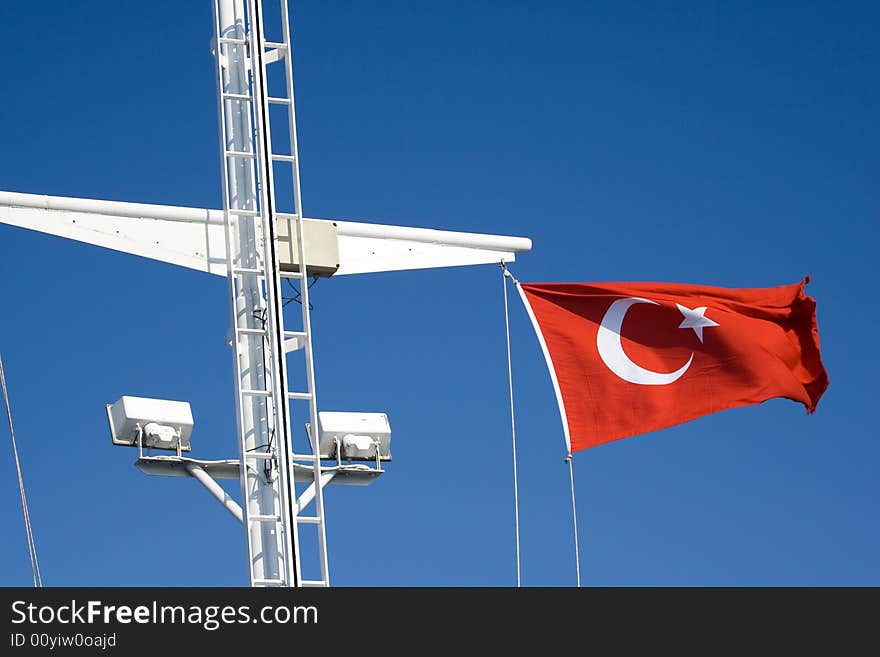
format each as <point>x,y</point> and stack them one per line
<point>151,423</point>
<point>355,436</point>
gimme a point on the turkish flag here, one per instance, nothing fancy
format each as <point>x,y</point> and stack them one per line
<point>627,358</point>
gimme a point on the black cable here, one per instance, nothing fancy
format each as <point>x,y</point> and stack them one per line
<point>298,297</point>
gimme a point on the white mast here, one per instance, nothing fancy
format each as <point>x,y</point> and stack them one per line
<point>263,442</point>
<point>256,246</point>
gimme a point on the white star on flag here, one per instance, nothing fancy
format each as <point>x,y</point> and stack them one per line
<point>695,318</point>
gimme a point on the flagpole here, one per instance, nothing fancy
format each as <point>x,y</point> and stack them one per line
<point>504,276</point>
<point>574,515</point>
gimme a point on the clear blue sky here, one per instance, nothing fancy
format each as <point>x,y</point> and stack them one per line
<point>729,144</point>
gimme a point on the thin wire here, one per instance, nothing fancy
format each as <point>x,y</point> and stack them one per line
<point>32,547</point>
<point>574,515</point>
<point>298,297</point>
<point>261,315</point>
<point>504,276</point>
<point>568,458</point>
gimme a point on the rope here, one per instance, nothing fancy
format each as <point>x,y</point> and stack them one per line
<point>504,276</point>
<point>574,514</point>
<point>568,458</point>
<point>32,547</point>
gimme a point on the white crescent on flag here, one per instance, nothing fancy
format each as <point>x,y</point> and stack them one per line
<point>612,354</point>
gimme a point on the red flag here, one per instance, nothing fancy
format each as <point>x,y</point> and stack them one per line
<point>627,358</point>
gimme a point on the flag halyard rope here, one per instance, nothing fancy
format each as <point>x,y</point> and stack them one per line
<point>574,518</point>
<point>505,274</point>
<point>569,458</point>
<point>32,547</point>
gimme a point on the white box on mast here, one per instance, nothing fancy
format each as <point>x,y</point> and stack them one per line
<point>359,435</point>
<point>130,415</point>
<point>322,247</point>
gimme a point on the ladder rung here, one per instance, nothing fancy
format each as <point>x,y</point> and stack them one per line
<point>295,334</point>
<point>246,154</point>
<point>244,213</point>
<point>256,393</point>
<point>245,270</point>
<point>298,395</point>
<point>260,455</point>
<point>273,44</point>
<point>313,583</point>
<point>278,101</point>
<point>250,331</point>
<point>291,274</point>
<point>287,215</point>
<point>283,158</point>
<point>258,518</point>
<point>270,582</point>
<point>230,40</point>
<point>228,96</point>
<point>309,520</point>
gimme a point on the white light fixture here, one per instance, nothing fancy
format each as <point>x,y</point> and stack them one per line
<point>150,423</point>
<point>355,436</point>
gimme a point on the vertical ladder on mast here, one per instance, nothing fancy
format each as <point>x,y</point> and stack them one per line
<point>272,515</point>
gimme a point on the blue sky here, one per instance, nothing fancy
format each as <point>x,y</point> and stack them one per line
<point>728,144</point>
